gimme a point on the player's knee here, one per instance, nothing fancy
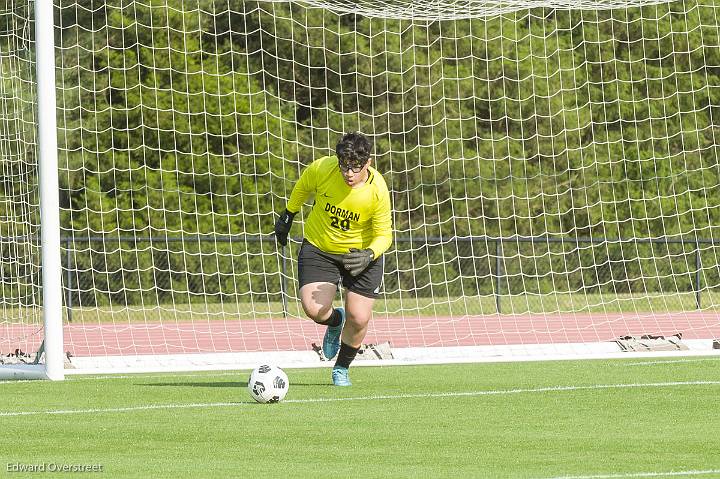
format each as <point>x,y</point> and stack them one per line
<point>317,312</point>
<point>359,320</point>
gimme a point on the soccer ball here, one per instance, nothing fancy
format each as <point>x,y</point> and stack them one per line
<point>268,384</point>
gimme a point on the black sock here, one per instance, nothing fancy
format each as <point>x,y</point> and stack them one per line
<point>334,320</point>
<point>346,355</point>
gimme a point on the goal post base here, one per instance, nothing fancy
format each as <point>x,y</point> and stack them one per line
<point>24,371</point>
<point>401,356</point>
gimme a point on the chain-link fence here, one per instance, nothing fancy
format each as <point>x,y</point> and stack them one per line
<point>127,271</point>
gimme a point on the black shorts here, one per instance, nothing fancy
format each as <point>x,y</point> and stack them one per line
<point>315,266</point>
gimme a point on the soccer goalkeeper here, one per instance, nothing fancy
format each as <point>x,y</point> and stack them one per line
<point>346,234</point>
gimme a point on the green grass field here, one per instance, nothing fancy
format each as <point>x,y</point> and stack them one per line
<point>588,419</point>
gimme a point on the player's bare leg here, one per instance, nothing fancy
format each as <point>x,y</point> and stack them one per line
<point>317,301</point>
<point>359,311</point>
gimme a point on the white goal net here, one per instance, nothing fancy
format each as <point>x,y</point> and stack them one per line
<point>553,168</point>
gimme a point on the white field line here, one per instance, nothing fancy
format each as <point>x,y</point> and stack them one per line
<point>361,398</point>
<point>643,474</point>
<point>240,373</point>
<point>200,374</point>
<point>668,361</point>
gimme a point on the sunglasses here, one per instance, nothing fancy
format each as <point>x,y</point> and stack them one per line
<point>354,167</point>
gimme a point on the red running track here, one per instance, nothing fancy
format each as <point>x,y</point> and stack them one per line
<point>296,334</point>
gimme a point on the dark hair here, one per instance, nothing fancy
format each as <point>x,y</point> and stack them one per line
<point>353,148</point>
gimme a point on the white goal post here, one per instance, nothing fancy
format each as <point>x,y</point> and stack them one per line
<point>553,168</point>
<point>53,366</point>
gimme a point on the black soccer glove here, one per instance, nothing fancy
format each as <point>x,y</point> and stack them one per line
<point>357,260</point>
<point>282,227</point>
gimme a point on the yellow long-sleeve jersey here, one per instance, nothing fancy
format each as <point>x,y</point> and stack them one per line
<point>343,217</point>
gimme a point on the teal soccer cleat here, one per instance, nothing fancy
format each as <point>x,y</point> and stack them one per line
<point>340,376</point>
<point>331,341</point>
